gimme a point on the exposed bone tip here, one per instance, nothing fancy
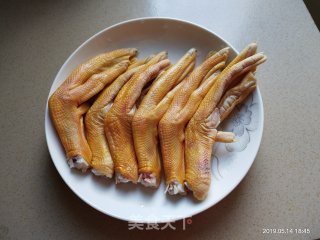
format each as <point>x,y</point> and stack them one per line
<point>120,178</point>
<point>100,173</point>
<point>147,179</point>
<point>79,163</point>
<point>175,188</point>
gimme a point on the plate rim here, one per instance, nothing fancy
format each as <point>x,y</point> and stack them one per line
<point>47,120</point>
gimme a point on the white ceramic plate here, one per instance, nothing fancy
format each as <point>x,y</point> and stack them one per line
<point>231,161</point>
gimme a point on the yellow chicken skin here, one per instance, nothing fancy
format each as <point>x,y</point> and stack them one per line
<point>174,121</point>
<point>236,95</point>
<point>101,161</point>
<point>118,120</point>
<point>201,132</point>
<point>150,111</point>
<point>67,104</point>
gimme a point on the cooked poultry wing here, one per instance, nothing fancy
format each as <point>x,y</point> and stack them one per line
<point>150,111</point>
<point>201,132</point>
<point>67,104</point>
<point>182,108</point>
<point>119,119</point>
<point>101,161</point>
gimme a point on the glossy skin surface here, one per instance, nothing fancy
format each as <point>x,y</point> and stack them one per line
<point>182,108</point>
<point>101,162</point>
<point>67,104</point>
<point>201,132</point>
<point>150,111</point>
<point>182,105</point>
<point>119,119</point>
